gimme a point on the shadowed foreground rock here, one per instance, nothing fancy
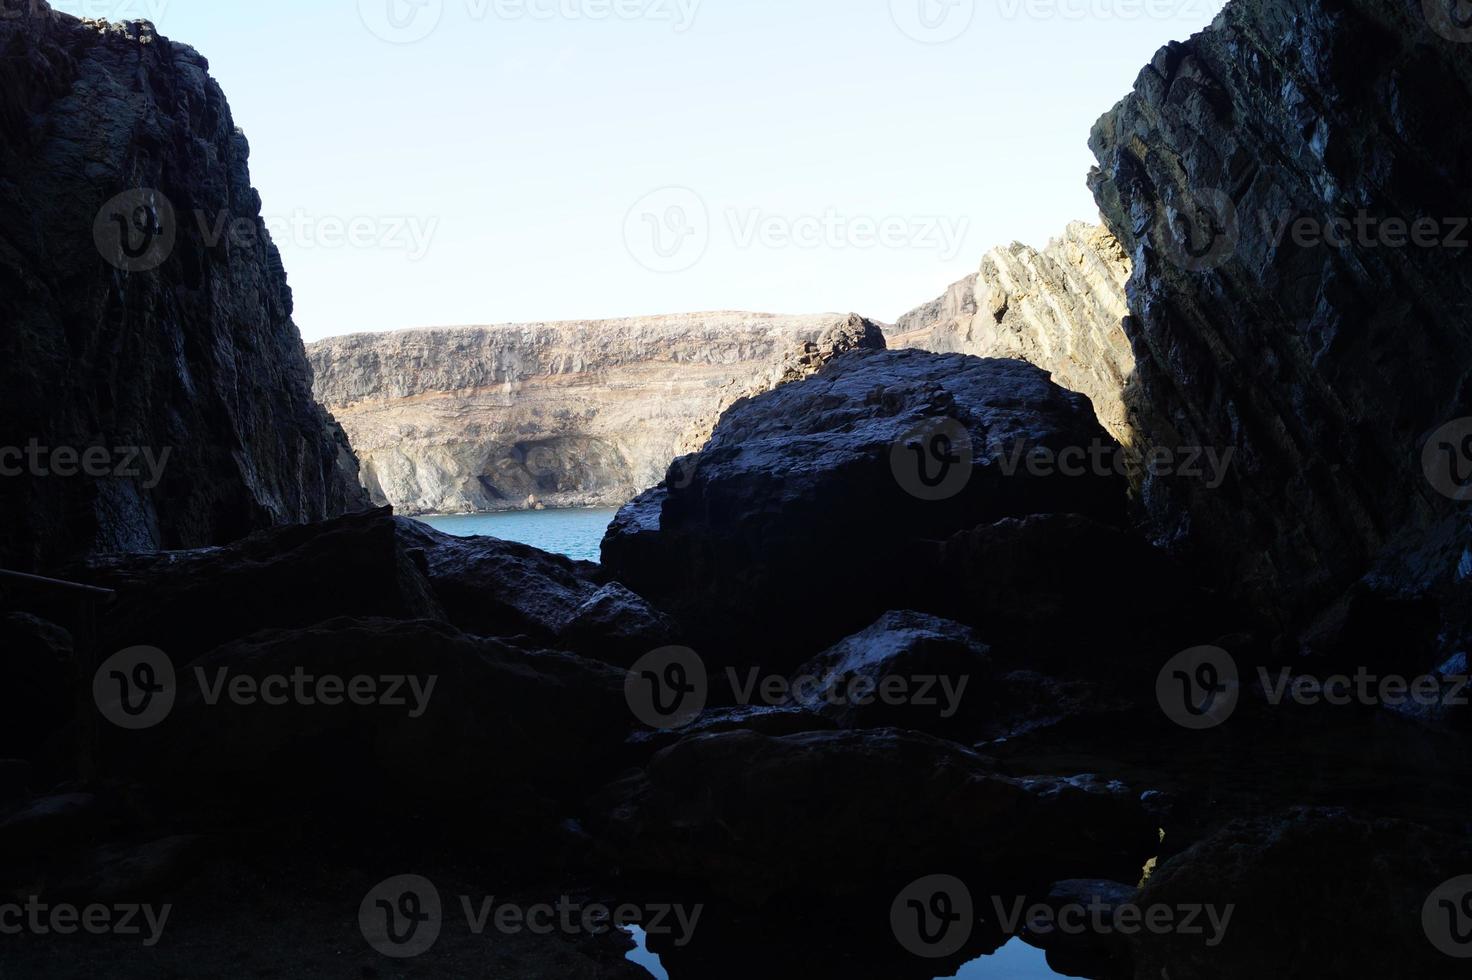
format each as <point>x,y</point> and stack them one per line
<point>838,812</point>
<point>446,720</point>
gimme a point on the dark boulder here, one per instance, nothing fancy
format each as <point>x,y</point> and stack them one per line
<point>1314,893</point>
<point>796,525</point>
<point>501,588</point>
<point>39,695</point>
<point>187,603</point>
<point>388,715</point>
<point>907,670</point>
<point>837,812</point>
<point>1071,597</point>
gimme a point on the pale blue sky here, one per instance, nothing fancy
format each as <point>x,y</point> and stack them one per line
<point>513,162</point>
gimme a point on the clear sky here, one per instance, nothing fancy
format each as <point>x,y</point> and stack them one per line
<point>439,162</point>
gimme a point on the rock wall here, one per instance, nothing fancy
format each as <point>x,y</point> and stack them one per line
<point>153,388</point>
<point>1060,309</point>
<point>560,414</point>
<point>1266,178</point>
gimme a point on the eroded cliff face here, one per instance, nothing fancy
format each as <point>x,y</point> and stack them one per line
<point>1292,188</point>
<point>1060,308</point>
<point>559,414</point>
<point>153,388</point>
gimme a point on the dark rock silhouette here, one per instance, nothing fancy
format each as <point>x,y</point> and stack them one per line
<point>149,367</point>
<point>797,523</point>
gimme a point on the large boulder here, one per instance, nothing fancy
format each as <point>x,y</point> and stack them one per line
<point>378,714</point>
<point>1071,596</point>
<point>795,526</point>
<point>501,588</point>
<point>189,602</point>
<point>840,812</point>
<point>39,695</point>
<point>1314,893</point>
<point>1294,205</point>
<point>149,366</point>
<point>907,670</point>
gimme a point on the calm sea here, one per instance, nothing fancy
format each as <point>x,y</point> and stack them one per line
<point>575,533</point>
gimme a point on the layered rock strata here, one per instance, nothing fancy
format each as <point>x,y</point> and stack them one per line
<point>559,414</point>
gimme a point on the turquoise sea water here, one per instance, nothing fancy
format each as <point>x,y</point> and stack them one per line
<point>575,533</point>
<point>1014,961</point>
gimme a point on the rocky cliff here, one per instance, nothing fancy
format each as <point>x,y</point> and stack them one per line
<point>562,414</point>
<point>1292,193</point>
<point>153,388</point>
<point>1060,308</point>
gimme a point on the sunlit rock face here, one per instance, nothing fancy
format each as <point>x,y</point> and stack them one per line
<point>1060,308</point>
<point>132,336</point>
<point>569,414</point>
<point>1266,178</point>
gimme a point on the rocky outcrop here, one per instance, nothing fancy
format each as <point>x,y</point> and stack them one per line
<point>153,387</point>
<point>1313,892</point>
<point>847,810</point>
<point>810,503</point>
<point>945,316</point>
<point>563,414</point>
<point>1060,308</point>
<point>1292,197</point>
